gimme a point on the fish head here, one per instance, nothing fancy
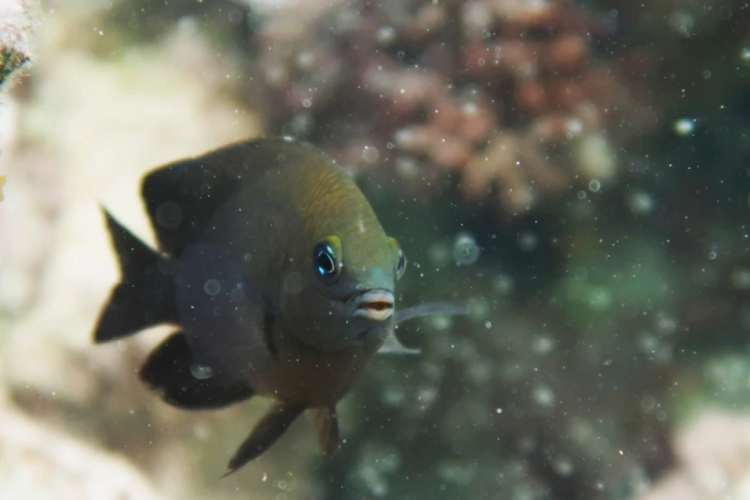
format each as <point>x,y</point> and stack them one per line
<point>348,296</point>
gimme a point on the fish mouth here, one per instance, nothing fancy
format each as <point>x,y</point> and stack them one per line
<point>376,305</point>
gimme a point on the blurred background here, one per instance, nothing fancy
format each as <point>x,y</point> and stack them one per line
<point>578,169</point>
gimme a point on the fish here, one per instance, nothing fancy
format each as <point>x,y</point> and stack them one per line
<point>276,272</point>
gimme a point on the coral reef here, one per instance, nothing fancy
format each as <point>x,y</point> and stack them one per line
<point>16,21</point>
<point>509,94</point>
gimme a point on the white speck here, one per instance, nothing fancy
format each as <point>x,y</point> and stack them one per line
<point>488,324</point>
<point>622,452</point>
<point>265,477</point>
<point>684,126</point>
<point>499,411</point>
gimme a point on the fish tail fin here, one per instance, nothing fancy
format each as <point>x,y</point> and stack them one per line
<point>145,295</point>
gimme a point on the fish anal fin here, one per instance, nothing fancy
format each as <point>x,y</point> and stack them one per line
<point>172,371</point>
<point>266,432</point>
<point>327,425</point>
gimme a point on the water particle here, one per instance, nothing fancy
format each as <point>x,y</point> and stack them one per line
<point>563,466</point>
<point>168,215</point>
<point>385,35</point>
<point>465,250</point>
<point>370,154</point>
<point>595,186</point>
<point>527,241</point>
<point>488,324</point>
<point>640,203</point>
<point>499,411</point>
<point>712,255</point>
<point>201,372</point>
<point>684,126</point>
<point>265,477</point>
<point>740,279</point>
<point>212,287</point>
<point>307,102</point>
<point>543,396</point>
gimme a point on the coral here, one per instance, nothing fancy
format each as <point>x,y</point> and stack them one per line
<point>507,94</point>
<point>16,22</point>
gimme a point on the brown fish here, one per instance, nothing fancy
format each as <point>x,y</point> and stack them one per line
<point>278,273</point>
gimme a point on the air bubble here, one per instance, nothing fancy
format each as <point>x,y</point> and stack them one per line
<point>370,154</point>
<point>168,215</point>
<point>465,250</point>
<point>212,287</point>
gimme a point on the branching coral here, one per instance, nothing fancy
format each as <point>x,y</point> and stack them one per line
<point>511,98</point>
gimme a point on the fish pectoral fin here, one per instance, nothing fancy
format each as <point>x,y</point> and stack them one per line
<point>393,346</point>
<point>327,425</point>
<point>172,371</point>
<point>266,432</point>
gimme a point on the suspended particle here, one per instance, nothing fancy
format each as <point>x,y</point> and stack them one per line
<point>201,372</point>
<point>684,126</point>
<point>465,250</point>
<point>212,287</point>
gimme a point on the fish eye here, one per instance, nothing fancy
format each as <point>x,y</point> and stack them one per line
<point>401,266</point>
<point>326,266</point>
<point>400,259</point>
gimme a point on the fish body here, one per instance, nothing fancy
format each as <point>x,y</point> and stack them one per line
<point>279,275</point>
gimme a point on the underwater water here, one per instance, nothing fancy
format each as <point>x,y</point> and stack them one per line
<point>578,171</point>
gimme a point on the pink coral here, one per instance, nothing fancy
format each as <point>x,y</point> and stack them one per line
<point>506,94</point>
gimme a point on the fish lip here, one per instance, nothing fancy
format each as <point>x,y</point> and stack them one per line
<point>376,305</point>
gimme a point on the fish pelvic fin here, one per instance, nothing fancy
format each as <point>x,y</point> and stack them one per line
<point>145,295</point>
<point>270,428</point>
<point>327,425</point>
<point>180,381</point>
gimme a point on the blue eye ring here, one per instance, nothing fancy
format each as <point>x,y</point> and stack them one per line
<point>327,267</point>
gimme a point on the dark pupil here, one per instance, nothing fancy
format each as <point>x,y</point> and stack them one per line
<point>325,262</point>
<point>400,260</point>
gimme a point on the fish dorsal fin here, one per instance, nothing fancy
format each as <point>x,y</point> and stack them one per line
<point>182,197</point>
